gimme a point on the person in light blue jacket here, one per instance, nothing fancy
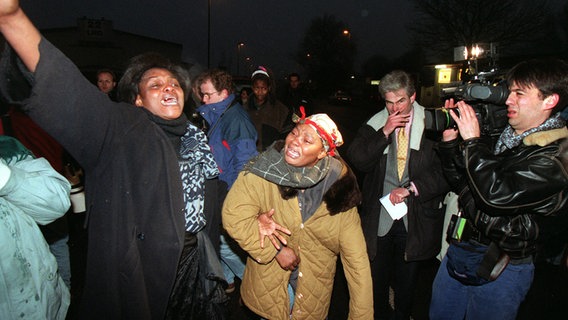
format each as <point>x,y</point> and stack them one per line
<point>31,193</point>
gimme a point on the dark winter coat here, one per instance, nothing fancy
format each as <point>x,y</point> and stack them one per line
<point>368,153</point>
<point>506,196</point>
<point>133,185</point>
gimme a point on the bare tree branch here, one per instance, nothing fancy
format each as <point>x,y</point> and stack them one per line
<point>444,24</point>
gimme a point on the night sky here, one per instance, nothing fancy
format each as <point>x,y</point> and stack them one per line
<point>270,29</point>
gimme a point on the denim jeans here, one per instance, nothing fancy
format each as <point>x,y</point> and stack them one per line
<point>499,299</point>
<point>60,250</point>
<point>233,264</point>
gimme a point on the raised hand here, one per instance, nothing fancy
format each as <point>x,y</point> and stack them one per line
<point>450,133</point>
<point>467,122</point>
<point>20,33</point>
<point>8,7</point>
<point>394,121</point>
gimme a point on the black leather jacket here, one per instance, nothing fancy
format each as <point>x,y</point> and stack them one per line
<point>505,195</point>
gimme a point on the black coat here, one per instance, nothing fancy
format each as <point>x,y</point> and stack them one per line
<point>134,195</point>
<point>425,214</point>
<point>506,196</point>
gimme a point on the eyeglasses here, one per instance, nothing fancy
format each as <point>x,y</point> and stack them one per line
<point>207,94</point>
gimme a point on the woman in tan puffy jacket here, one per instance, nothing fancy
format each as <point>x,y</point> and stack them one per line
<point>304,198</point>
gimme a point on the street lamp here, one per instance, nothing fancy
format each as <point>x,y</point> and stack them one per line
<point>239,46</point>
<point>249,64</point>
<point>347,33</point>
<point>208,34</point>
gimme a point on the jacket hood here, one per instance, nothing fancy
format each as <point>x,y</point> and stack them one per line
<point>212,112</point>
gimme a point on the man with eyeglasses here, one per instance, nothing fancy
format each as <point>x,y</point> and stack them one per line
<point>232,138</point>
<point>402,169</point>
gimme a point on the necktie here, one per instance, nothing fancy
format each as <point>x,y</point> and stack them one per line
<point>402,148</point>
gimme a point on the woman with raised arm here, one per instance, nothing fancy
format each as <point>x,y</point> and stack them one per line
<point>145,166</point>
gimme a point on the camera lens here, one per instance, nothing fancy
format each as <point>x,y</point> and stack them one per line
<point>439,119</point>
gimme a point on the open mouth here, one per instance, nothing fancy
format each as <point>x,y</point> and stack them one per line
<point>169,101</point>
<point>292,153</point>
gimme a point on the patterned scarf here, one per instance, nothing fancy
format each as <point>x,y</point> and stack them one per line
<point>271,166</point>
<point>196,163</point>
<point>509,139</point>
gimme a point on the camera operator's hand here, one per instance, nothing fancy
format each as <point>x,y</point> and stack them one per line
<point>450,133</point>
<point>394,121</point>
<point>467,122</point>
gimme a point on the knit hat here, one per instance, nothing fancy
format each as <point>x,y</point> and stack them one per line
<point>325,128</point>
<point>260,70</point>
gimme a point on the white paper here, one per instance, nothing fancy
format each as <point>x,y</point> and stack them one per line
<point>396,211</point>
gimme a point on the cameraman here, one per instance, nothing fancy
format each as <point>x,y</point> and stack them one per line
<point>503,194</point>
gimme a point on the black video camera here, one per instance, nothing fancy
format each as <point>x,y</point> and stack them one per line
<point>487,100</point>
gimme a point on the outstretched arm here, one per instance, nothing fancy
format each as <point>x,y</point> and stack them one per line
<point>20,32</point>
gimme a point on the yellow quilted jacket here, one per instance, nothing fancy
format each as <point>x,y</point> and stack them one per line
<point>318,241</point>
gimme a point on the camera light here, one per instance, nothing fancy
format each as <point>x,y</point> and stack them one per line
<point>476,51</point>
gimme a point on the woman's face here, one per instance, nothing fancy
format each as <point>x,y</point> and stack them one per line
<point>161,94</point>
<point>303,147</point>
<point>260,89</point>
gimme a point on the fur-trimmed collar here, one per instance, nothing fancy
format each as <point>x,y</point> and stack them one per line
<point>343,195</point>
<point>544,138</point>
